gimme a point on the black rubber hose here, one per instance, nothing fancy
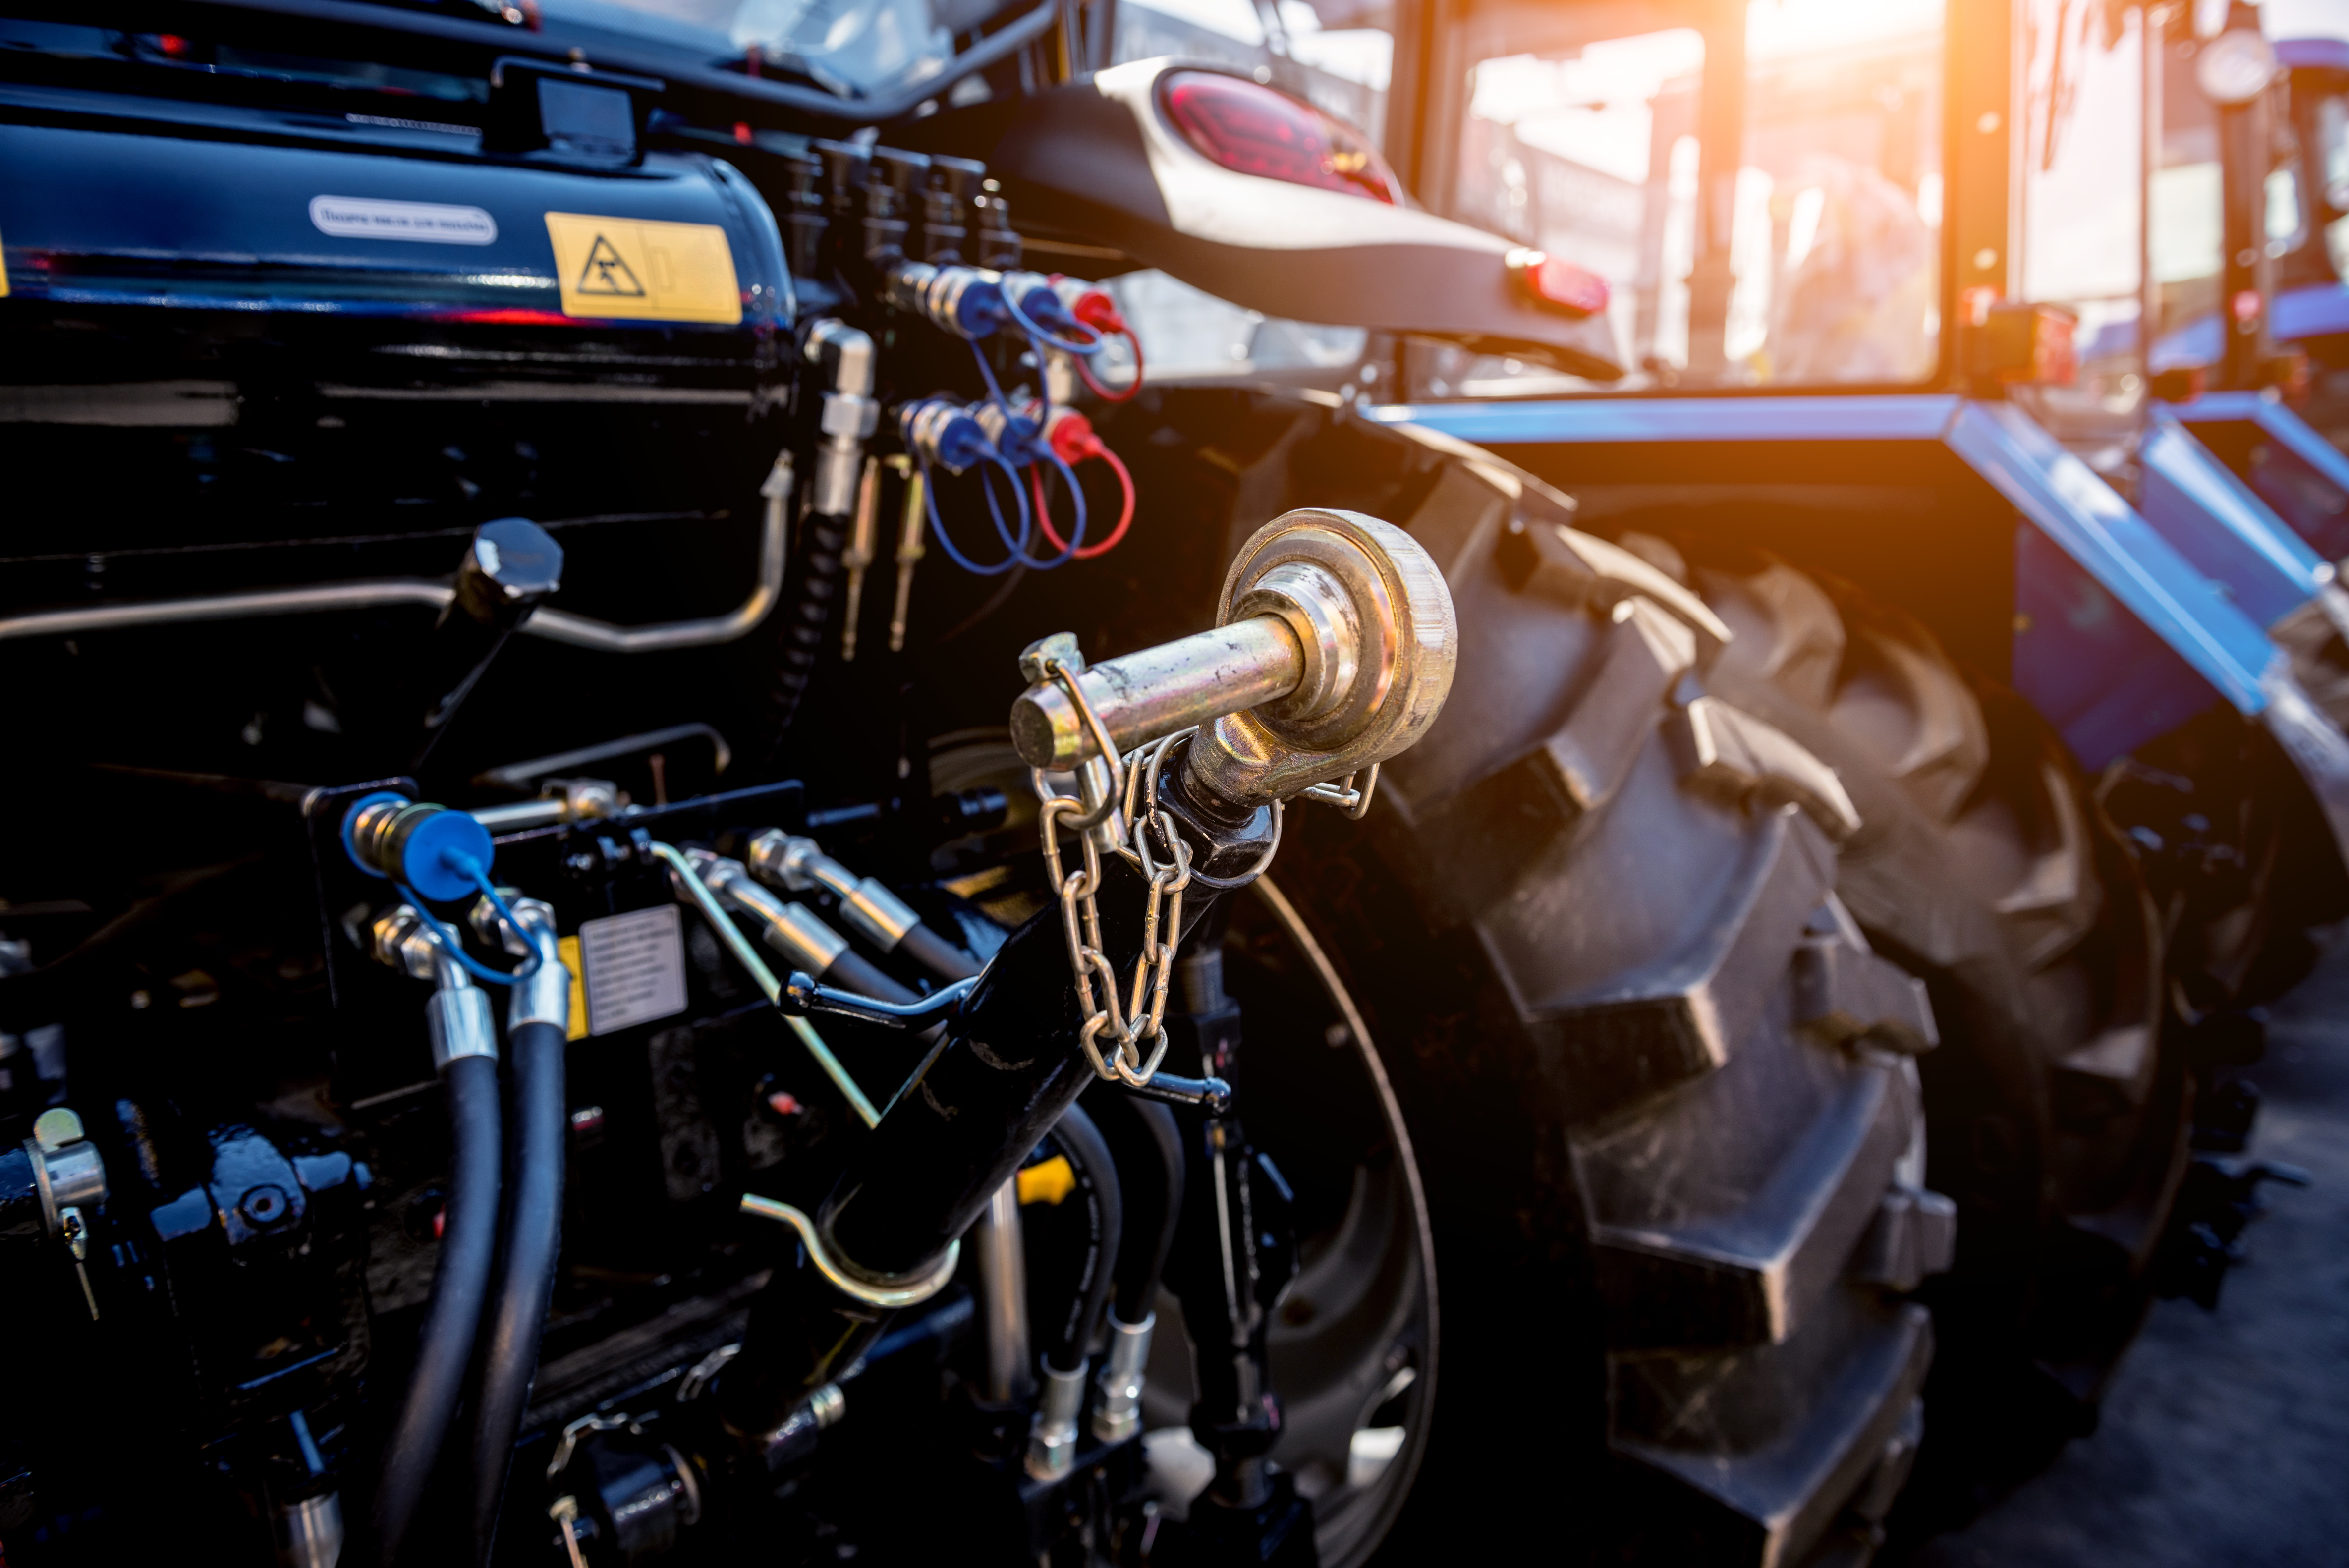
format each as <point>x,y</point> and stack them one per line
<point>461,1282</point>
<point>806,617</point>
<point>533,1236</point>
<point>852,972</point>
<point>1147,1145</point>
<point>936,955</point>
<point>1071,1335</point>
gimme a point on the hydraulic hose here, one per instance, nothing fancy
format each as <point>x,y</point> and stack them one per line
<point>936,955</point>
<point>844,357</point>
<point>533,1234</point>
<point>459,1285</point>
<point>1070,1337</point>
<point>852,972</point>
<point>1148,1147</point>
<point>800,631</point>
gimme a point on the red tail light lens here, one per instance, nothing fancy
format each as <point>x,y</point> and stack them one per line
<point>2006,340</point>
<point>1254,129</point>
<point>1555,281</point>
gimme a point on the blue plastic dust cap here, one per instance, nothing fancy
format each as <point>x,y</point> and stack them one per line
<point>445,835</point>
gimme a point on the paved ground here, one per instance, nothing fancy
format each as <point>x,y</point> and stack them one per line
<point>2225,1438</point>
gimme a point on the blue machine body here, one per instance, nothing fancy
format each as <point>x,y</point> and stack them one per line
<point>2126,622</point>
<point>316,218</point>
<point>2221,526</point>
<point>2303,477</point>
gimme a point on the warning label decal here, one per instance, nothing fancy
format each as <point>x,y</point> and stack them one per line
<point>635,965</point>
<point>628,269</point>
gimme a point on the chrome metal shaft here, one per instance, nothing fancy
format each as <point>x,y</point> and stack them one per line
<point>1003,1297</point>
<point>1157,691</point>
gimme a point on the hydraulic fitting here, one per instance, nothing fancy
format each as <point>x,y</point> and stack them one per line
<point>791,929</point>
<point>845,357</point>
<point>457,1014</point>
<point>800,865</point>
<point>1334,649</point>
<point>543,994</point>
<point>998,246</point>
<point>1018,434</point>
<point>946,206</point>
<point>941,432</point>
<point>893,185</point>
<point>844,165</point>
<point>1119,1415</point>
<point>965,301</point>
<point>802,213</point>
<point>426,847</point>
<point>1052,1437</point>
<point>1040,302</point>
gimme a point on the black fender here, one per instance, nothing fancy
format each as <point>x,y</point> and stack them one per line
<point>1095,164</point>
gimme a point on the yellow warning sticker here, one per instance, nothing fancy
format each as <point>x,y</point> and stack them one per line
<point>567,947</point>
<point>630,269</point>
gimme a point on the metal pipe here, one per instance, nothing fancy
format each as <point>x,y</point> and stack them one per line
<point>556,625</point>
<point>1000,1250</point>
<point>520,815</point>
<point>1157,691</point>
<point>582,800</point>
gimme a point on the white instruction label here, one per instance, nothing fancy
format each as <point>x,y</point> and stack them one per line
<point>635,968</point>
<point>365,218</point>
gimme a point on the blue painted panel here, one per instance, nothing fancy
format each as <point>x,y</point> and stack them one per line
<point>2084,517</point>
<point>2223,529</point>
<point>2132,639</point>
<point>2313,53</point>
<point>1907,417</point>
<point>2090,668</point>
<point>2312,309</point>
<point>2295,471</point>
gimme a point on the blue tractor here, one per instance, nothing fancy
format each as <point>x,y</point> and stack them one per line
<point>1249,783</point>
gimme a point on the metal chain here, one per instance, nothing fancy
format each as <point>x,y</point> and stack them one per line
<point>1128,831</point>
<point>1115,1037</point>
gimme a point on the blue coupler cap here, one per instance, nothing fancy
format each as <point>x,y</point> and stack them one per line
<point>440,850</point>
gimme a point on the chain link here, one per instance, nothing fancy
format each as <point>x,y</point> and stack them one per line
<point>1126,820</point>
<point>1117,1031</point>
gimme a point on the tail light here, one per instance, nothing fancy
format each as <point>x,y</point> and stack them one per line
<point>2010,342</point>
<point>1250,128</point>
<point>1556,280</point>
